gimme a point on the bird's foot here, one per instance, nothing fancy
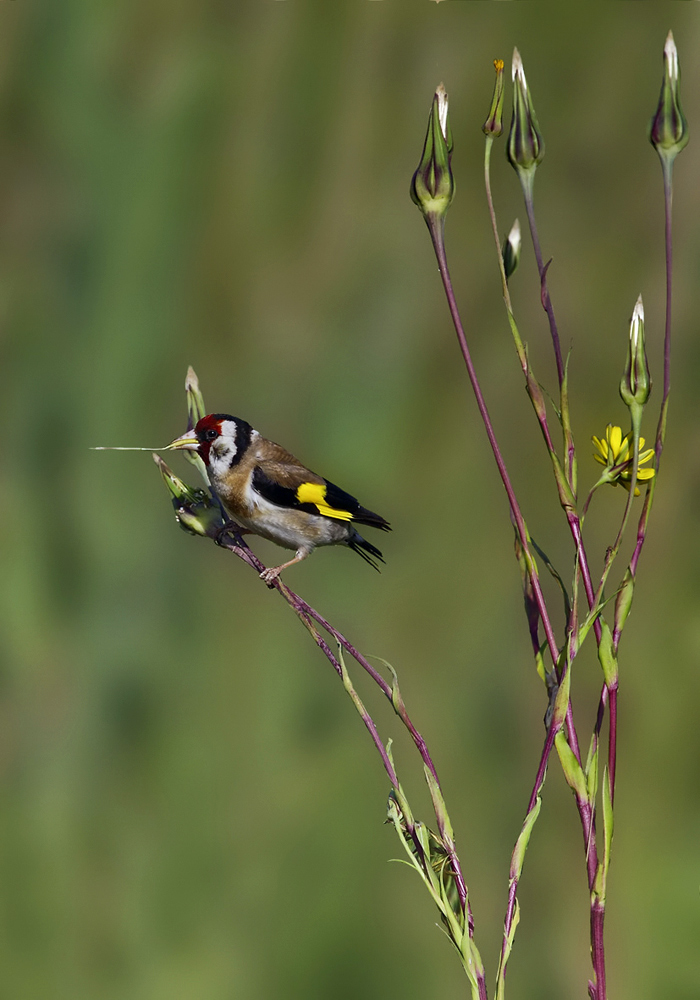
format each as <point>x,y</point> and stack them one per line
<point>269,576</point>
<point>229,528</point>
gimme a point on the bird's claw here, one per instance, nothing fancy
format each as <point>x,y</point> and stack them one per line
<point>269,576</point>
<point>228,527</point>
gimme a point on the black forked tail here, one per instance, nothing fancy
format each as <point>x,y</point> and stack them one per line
<point>369,552</point>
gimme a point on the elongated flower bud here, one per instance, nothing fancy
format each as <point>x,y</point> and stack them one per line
<point>668,130</point>
<point>195,401</point>
<point>525,143</point>
<point>195,511</point>
<point>511,249</point>
<point>636,382</point>
<point>195,411</point>
<point>494,123</point>
<point>432,186</point>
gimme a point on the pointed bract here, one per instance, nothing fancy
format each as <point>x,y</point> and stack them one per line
<point>635,385</point>
<point>432,186</point>
<point>668,130</point>
<point>195,511</point>
<point>511,249</point>
<point>525,143</point>
<point>195,400</point>
<point>493,125</point>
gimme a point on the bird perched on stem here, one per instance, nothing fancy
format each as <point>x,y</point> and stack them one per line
<point>268,492</point>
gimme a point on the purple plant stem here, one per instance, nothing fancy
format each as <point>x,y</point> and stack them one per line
<point>386,689</point>
<point>240,549</point>
<point>546,300</point>
<point>598,991</point>
<point>586,811</point>
<point>661,427</point>
<point>435,228</point>
<point>436,234</point>
<point>584,807</point>
<point>306,612</point>
<point>572,516</point>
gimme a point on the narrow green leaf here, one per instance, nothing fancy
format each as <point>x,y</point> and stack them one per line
<point>592,769</point>
<point>503,960</point>
<point>439,805</point>
<point>472,964</point>
<point>556,575</point>
<point>623,602</point>
<point>518,858</point>
<point>575,777</point>
<point>539,665</point>
<point>561,702</point>
<point>607,658</point>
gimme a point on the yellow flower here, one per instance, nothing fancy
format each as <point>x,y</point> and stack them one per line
<point>615,452</point>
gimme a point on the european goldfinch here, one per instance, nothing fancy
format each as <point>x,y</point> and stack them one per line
<point>268,492</point>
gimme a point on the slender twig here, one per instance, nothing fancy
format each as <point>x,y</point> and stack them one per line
<point>572,517</point>
<point>307,613</point>
<point>435,227</point>
<point>663,412</point>
<point>585,808</point>
<point>542,269</point>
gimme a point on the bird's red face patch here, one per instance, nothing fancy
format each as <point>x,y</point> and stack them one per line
<point>208,429</point>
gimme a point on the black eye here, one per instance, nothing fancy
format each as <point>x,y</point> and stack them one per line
<point>209,434</point>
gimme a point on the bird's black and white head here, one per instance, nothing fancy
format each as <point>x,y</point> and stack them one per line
<point>221,440</point>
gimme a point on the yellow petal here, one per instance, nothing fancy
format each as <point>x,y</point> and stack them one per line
<point>614,436</point>
<point>602,446</point>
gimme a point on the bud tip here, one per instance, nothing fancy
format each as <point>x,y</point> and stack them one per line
<point>518,68</point>
<point>671,54</point>
<point>443,102</point>
<point>638,314</point>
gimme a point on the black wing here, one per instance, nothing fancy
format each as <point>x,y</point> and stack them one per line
<point>320,498</point>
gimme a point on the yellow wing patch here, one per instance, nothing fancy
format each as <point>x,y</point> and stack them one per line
<point>316,493</point>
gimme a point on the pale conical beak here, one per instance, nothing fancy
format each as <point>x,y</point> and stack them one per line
<point>186,442</point>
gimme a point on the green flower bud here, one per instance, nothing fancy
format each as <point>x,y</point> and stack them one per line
<point>195,400</point>
<point>635,385</point>
<point>195,510</point>
<point>432,186</point>
<point>525,143</point>
<point>195,411</point>
<point>511,249</point>
<point>494,123</point>
<point>668,129</point>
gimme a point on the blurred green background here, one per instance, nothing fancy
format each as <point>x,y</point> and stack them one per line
<point>189,805</point>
